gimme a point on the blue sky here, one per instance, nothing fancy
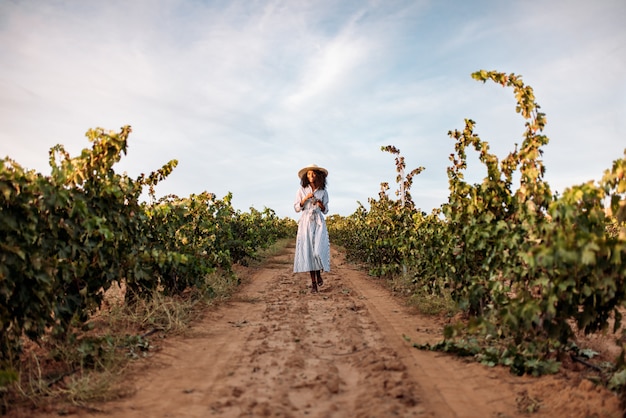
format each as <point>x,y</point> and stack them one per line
<point>244,93</point>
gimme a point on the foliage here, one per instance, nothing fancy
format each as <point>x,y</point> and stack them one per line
<point>67,237</point>
<point>524,265</point>
<point>376,236</point>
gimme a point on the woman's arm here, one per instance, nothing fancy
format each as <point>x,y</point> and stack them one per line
<point>323,204</point>
<point>298,204</point>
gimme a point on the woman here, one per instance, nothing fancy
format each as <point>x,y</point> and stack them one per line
<point>312,243</point>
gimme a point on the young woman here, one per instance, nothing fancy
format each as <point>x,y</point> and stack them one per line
<point>312,244</point>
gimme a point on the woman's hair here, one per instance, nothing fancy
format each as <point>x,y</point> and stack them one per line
<point>320,179</point>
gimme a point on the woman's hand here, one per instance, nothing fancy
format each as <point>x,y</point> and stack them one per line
<point>307,197</point>
<point>316,202</point>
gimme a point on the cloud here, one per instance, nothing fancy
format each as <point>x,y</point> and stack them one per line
<point>245,93</point>
<point>330,67</point>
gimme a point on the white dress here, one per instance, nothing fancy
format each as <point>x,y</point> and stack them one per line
<point>312,243</point>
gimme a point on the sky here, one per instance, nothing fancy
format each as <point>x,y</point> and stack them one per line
<point>244,93</point>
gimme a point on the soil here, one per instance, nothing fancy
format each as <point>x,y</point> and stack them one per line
<point>277,350</point>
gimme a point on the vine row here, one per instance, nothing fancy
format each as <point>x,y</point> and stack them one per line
<point>68,237</point>
<point>528,268</point>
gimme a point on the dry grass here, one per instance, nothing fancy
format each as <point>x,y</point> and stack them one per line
<point>91,364</point>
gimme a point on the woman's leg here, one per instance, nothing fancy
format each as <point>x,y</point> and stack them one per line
<point>318,274</point>
<point>313,282</point>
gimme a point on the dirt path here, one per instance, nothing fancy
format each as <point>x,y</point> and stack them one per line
<point>276,350</point>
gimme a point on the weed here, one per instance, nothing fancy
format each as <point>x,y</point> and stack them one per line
<point>90,363</point>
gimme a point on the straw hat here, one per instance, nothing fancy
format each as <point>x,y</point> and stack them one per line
<point>314,167</point>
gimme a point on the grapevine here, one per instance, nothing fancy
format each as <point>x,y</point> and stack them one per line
<point>526,267</point>
<point>69,236</point>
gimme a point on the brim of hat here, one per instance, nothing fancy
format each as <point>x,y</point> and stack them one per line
<point>305,169</point>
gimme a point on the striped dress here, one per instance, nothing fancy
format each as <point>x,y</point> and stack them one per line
<point>312,243</point>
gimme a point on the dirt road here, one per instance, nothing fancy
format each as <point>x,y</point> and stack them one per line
<point>276,350</point>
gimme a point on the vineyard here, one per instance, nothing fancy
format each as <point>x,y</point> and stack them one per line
<point>69,237</point>
<point>527,269</point>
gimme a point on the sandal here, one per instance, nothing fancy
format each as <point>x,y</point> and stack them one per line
<point>320,282</point>
<point>313,287</point>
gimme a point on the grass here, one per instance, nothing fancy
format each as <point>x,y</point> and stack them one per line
<point>92,363</point>
<point>421,299</point>
<point>273,250</point>
<point>76,371</point>
<point>432,304</point>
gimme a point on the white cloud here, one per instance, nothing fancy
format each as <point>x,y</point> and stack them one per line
<point>330,67</point>
<point>243,94</point>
